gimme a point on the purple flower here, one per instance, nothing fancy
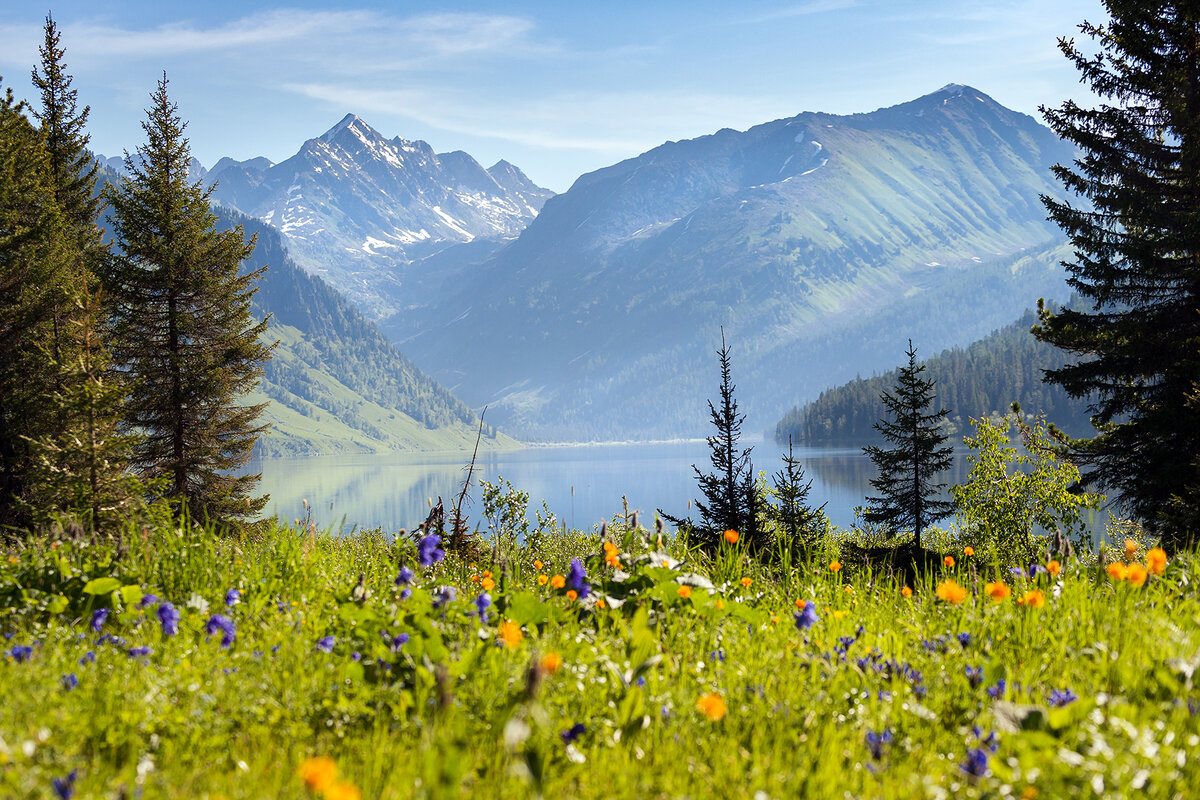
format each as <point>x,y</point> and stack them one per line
<point>807,616</point>
<point>69,681</point>
<point>1062,697</point>
<point>974,676</point>
<point>98,617</point>
<point>232,598</point>
<point>325,644</point>
<point>429,551</point>
<point>21,653</point>
<point>137,652</point>
<point>444,595</point>
<point>574,732</point>
<point>997,691</point>
<point>577,579</point>
<point>876,741</point>
<point>481,604</point>
<point>168,615</point>
<point>976,763</point>
<point>148,600</point>
<point>64,788</point>
<point>87,658</point>
<point>405,593</point>
<point>398,641</point>
<point>965,640</point>
<point>404,577</point>
<point>223,624</point>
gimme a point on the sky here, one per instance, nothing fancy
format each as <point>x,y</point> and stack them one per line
<point>558,88</point>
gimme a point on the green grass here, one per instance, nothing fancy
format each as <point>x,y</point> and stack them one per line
<point>459,712</point>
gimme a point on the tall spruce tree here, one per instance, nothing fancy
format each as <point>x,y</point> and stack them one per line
<point>908,469</point>
<point>34,263</point>
<point>1137,260</point>
<point>797,522</point>
<point>184,329</point>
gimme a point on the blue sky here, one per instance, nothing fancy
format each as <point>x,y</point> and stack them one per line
<point>558,88</point>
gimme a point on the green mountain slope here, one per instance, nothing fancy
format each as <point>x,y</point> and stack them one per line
<point>335,383</point>
<point>980,380</point>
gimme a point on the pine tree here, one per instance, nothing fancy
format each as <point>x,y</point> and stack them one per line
<point>34,262</point>
<point>908,469</point>
<point>184,328</point>
<point>728,489</point>
<point>1137,261</point>
<point>799,523</point>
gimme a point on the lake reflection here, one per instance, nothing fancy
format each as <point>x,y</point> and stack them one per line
<point>581,484</point>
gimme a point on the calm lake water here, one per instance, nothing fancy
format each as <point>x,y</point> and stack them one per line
<point>581,484</point>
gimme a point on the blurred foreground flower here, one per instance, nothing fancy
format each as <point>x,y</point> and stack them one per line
<point>951,592</point>
<point>711,705</point>
<point>1156,560</point>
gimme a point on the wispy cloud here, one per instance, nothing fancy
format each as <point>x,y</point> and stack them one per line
<point>803,10</point>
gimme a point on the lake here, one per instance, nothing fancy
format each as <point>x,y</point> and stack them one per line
<point>581,484</point>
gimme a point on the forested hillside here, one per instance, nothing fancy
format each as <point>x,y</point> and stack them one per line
<point>982,379</point>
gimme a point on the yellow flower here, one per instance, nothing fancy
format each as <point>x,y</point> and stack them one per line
<point>1054,568</point>
<point>488,584</point>
<point>968,551</point>
<point>711,705</point>
<point>552,662</point>
<point>731,536</point>
<point>948,561</point>
<point>1156,560</point>
<point>906,592</point>
<point>543,580</point>
<point>1137,574</point>
<point>1032,599</point>
<point>510,634</point>
<point>720,604</point>
<point>319,773</point>
<point>746,581</point>
<point>558,581</point>
<point>685,592</point>
<point>343,791</point>
<point>13,559</point>
<point>1117,571</point>
<point>951,592</point>
<point>998,591</point>
<point>840,613</point>
<point>1131,548</point>
<point>835,566</point>
<point>572,595</point>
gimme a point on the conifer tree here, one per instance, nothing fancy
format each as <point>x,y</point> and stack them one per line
<point>1137,261</point>
<point>908,469</point>
<point>798,522</point>
<point>34,263</point>
<point>184,329</point>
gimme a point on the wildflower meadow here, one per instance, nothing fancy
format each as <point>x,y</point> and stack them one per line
<point>287,663</point>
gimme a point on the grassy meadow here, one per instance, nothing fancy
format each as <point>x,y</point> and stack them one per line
<point>287,663</point>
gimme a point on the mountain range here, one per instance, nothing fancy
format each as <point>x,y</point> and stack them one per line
<point>818,245</point>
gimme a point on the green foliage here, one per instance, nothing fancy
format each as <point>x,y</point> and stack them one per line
<point>909,467</point>
<point>184,329</point>
<point>1009,494</point>
<point>1136,244</point>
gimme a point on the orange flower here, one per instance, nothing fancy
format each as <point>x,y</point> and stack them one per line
<point>543,580</point>
<point>731,536</point>
<point>720,604</point>
<point>613,560</point>
<point>906,592</point>
<point>951,592</point>
<point>1117,571</point>
<point>998,591</point>
<point>474,579</point>
<point>488,584</point>
<point>1156,560</point>
<point>800,604</point>
<point>558,581</point>
<point>610,548</point>
<point>600,603</point>
<point>1137,574</point>
<point>711,705</point>
<point>552,662</point>
<point>968,551</point>
<point>1131,548</point>
<point>343,791</point>
<point>746,581</point>
<point>685,592</point>
<point>319,773</point>
<point>510,634</point>
<point>572,595</point>
<point>1032,599</point>
<point>487,574</point>
<point>948,561</point>
<point>537,564</point>
<point>835,566</point>
<point>1054,568</point>
<point>849,589</point>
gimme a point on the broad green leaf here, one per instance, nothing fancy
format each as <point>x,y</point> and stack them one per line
<point>101,586</point>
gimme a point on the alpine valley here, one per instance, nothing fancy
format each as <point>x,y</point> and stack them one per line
<point>819,245</point>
